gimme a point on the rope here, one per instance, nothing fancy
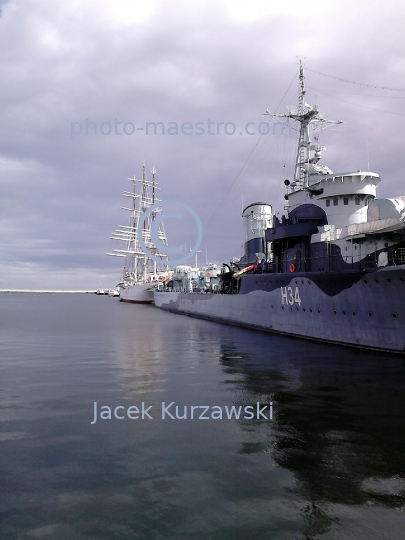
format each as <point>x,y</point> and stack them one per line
<point>357,104</point>
<point>249,156</point>
<point>354,82</point>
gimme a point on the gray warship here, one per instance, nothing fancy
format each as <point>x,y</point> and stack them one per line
<point>331,269</point>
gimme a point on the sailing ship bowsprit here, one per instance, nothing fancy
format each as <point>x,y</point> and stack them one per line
<point>331,269</point>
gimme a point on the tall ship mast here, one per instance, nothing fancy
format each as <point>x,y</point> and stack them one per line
<point>331,269</point>
<point>141,273</point>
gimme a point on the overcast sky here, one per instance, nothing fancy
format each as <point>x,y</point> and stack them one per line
<point>168,61</point>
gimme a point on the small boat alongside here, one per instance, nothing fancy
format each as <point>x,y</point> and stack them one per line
<point>101,292</point>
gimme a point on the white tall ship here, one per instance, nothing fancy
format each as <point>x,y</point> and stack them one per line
<point>141,273</point>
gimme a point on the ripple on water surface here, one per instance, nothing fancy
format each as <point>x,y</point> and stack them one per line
<point>329,463</point>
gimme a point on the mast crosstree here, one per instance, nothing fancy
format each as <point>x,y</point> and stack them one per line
<point>137,263</point>
<point>308,154</point>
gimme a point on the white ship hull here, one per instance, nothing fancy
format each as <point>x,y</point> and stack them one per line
<point>138,294</point>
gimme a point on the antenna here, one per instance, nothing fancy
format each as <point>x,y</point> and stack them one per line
<point>307,116</point>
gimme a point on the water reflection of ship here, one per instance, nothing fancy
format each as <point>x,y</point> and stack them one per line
<point>138,361</point>
<point>144,364</point>
<point>337,425</point>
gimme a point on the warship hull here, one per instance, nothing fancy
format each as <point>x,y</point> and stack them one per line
<point>332,268</point>
<point>359,308</point>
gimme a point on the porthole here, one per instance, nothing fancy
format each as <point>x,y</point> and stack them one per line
<point>290,308</point>
<point>318,310</point>
<point>310,310</point>
<point>370,314</point>
<point>304,309</point>
<point>344,312</point>
<point>364,280</point>
<point>298,308</point>
<point>389,280</point>
<point>376,280</point>
<point>334,312</point>
<point>401,279</point>
<point>353,313</point>
<point>394,315</point>
<point>302,282</point>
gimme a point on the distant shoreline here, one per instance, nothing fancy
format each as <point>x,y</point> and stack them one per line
<point>41,291</point>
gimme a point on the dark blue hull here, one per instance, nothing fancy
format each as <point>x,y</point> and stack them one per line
<point>359,308</point>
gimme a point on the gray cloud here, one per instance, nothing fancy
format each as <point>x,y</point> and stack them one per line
<point>63,63</point>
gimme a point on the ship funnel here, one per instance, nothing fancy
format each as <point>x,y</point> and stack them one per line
<point>257,217</point>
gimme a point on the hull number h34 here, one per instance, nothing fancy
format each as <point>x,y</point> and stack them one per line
<point>290,297</point>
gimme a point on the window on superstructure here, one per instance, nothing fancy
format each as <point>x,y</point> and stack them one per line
<point>346,201</point>
<point>335,201</point>
<point>327,202</point>
<point>357,201</point>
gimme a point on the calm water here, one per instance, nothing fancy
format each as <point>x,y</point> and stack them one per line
<point>330,464</point>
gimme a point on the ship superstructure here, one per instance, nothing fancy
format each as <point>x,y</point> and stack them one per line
<point>332,268</point>
<point>336,217</point>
